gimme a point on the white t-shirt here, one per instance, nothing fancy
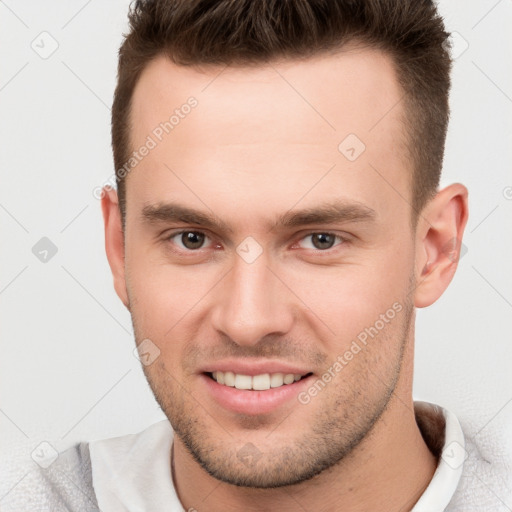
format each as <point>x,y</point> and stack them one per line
<point>133,473</point>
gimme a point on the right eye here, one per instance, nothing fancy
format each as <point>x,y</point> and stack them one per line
<point>189,240</point>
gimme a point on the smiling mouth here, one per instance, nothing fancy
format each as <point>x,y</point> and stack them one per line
<point>260,382</point>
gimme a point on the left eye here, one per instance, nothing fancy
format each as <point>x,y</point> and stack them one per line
<point>320,241</point>
<point>190,240</point>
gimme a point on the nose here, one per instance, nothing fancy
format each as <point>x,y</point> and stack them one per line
<point>252,303</point>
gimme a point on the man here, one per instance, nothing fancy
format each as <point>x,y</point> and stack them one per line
<point>277,221</point>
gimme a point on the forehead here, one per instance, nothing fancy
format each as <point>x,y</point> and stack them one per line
<point>278,132</point>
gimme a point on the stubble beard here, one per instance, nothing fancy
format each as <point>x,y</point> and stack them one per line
<point>286,456</point>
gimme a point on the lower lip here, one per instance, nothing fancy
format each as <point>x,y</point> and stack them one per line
<point>246,401</point>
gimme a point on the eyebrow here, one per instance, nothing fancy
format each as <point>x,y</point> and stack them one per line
<point>173,212</point>
<point>328,213</point>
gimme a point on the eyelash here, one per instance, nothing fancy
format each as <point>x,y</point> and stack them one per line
<point>341,240</point>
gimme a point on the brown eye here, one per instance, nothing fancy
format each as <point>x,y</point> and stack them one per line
<point>191,239</point>
<point>322,240</point>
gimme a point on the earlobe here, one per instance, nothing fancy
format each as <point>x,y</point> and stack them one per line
<point>114,241</point>
<point>438,243</point>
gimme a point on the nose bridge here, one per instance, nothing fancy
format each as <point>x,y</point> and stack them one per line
<point>251,304</point>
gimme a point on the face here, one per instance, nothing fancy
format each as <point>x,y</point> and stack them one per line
<point>265,249</point>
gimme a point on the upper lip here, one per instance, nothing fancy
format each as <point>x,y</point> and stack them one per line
<point>251,368</point>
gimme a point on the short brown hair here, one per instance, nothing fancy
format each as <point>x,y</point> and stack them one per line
<point>248,32</point>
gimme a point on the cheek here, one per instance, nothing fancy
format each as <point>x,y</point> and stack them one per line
<point>344,301</point>
<point>164,297</point>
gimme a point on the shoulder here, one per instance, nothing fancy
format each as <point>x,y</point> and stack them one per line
<point>65,484</point>
<point>486,480</point>
<point>474,470</point>
<point>133,472</point>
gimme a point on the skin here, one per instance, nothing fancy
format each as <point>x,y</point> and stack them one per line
<point>261,143</point>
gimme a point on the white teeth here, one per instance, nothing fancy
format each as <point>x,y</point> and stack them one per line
<point>260,382</point>
<point>289,378</point>
<point>243,382</point>
<point>276,380</point>
<point>229,379</point>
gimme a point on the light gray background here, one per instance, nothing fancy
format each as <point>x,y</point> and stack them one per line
<point>67,368</point>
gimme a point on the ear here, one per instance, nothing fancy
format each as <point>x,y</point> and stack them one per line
<point>114,241</point>
<point>438,243</point>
